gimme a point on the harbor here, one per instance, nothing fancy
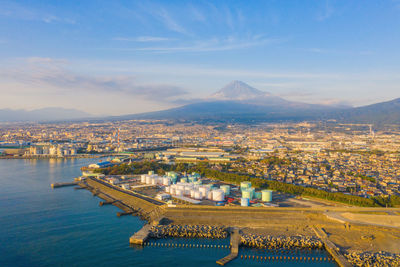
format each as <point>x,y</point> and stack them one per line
<point>186,215</point>
<point>155,229</point>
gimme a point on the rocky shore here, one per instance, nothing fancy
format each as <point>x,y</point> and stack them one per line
<point>267,242</point>
<point>373,259</point>
<point>188,231</point>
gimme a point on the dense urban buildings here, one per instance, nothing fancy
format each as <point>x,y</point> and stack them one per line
<point>352,159</point>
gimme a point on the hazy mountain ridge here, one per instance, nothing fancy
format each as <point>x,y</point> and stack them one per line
<point>235,102</point>
<point>380,113</point>
<point>44,114</point>
<point>240,102</point>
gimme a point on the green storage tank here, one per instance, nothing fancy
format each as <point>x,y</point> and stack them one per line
<point>226,188</point>
<point>245,185</point>
<point>266,195</point>
<point>246,193</point>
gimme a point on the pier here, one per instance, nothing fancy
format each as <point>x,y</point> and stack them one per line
<point>331,248</point>
<point>141,236</point>
<point>119,214</point>
<point>234,244</point>
<point>56,185</point>
<point>102,203</point>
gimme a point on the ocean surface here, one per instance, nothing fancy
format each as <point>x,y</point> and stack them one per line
<point>40,226</point>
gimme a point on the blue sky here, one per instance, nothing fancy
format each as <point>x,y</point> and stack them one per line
<point>118,57</point>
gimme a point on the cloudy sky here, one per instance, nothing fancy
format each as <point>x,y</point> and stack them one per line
<point>119,57</point>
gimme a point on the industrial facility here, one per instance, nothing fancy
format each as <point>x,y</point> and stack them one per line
<point>176,189</point>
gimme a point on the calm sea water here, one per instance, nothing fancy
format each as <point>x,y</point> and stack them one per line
<point>40,226</point>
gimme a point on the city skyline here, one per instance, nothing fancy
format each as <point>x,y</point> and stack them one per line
<point>122,58</point>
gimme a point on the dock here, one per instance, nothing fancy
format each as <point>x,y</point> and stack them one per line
<point>55,185</point>
<point>141,236</point>
<point>234,244</point>
<point>331,248</point>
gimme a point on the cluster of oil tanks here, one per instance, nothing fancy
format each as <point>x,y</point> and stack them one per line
<point>168,179</point>
<point>249,193</point>
<point>154,179</point>
<point>191,186</point>
<point>198,191</point>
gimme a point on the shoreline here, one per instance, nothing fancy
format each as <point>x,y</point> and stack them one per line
<point>89,156</point>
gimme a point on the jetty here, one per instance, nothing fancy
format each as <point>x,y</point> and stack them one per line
<point>141,236</point>
<point>331,248</point>
<point>56,185</point>
<point>234,244</point>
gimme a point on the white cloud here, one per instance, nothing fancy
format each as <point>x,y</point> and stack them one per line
<point>54,74</point>
<point>21,12</point>
<point>215,44</point>
<point>144,39</point>
<point>169,22</point>
<point>339,52</point>
<point>197,14</point>
<point>326,12</point>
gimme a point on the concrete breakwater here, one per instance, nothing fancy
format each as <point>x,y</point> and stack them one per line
<point>188,231</point>
<point>373,259</point>
<point>287,242</point>
<point>146,209</point>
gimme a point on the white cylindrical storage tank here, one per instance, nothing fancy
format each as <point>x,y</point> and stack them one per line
<point>148,179</point>
<point>197,195</point>
<point>244,202</point>
<point>266,195</point>
<point>153,181</point>
<point>181,187</point>
<point>167,189</point>
<point>218,195</point>
<point>172,190</point>
<point>166,181</point>
<point>226,188</point>
<point>188,187</point>
<point>203,190</point>
<point>143,178</point>
<point>178,192</point>
<point>209,195</point>
<point>192,193</point>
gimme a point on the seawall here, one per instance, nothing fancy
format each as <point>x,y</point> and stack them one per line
<point>149,209</point>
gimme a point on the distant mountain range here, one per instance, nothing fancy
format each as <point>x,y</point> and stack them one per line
<point>44,114</point>
<point>378,114</point>
<point>239,102</point>
<point>236,102</point>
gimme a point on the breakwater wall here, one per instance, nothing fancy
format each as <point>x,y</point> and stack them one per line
<point>188,231</point>
<point>56,185</point>
<point>373,259</point>
<point>286,242</point>
<point>129,202</point>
